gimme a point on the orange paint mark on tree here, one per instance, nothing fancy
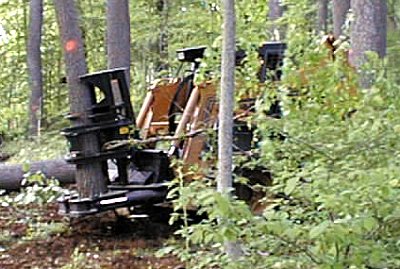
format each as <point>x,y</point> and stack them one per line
<point>71,45</point>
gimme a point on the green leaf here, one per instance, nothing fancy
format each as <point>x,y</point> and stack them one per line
<point>25,167</point>
<point>369,223</point>
<point>292,233</point>
<point>223,204</point>
<point>318,230</point>
<point>165,251</point>
<point>228,233</point>
<point>291,185</point>
<point>376,256</point>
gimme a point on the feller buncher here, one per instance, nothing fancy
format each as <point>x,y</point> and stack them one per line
<point>176,111</point>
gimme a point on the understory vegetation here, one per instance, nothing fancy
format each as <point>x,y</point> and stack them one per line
<point>333,200</point>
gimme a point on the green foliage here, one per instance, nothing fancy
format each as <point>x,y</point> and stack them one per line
<point>338,175</point>
<point>333,202</point>
<point>40,230</point>
<point>49,146</point>
<point>37,189</point>
<point>13,78</point>
<point>204,241</point>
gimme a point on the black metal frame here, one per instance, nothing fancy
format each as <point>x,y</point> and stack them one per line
<point>272,54</point>
<point>112,118</point>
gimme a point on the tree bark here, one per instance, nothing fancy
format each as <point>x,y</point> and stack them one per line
<point>275,12</point>
<point>119,35</point>
<point>163,40</point>
<point>368,33</point>
<point>225,136</point>
<point>11,175</point>
<point>35,66</point>
<point>225,130</point>
<point>323,15</point>
<point>91,180</point>
<point>340,10</point>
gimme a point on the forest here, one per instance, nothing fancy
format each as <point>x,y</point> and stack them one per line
<point>200,134</point>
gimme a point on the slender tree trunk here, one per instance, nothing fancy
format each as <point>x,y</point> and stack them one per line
<point>225,131</point>
<point>227,99</point>
<point>323,15</point>
<point>35,66</point>
<point>340,10</point>
<point>368,33</point>
<point>90,178</point>
<point>274,13</point>
<point>163,42</point>
<point>119,35</point>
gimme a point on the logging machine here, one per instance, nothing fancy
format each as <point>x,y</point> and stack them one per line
<point>176,108</point>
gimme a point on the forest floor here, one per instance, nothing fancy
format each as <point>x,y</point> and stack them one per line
<point>37,237</point>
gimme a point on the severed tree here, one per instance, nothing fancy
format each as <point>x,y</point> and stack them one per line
<point>118,35</point>
<point>90,178</point>
<point>35,66</point>
<point>12,175</point>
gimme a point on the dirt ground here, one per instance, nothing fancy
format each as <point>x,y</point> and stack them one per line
<point>34,237</point>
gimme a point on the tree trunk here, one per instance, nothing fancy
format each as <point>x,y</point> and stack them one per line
<point>225,130</point>
<point>340,9</point>
<point>119,35</point>
<point>163,8</point>
<point>368,33</point>
<point>323,15</point>
<point>11,175</point>
<point>225,135</point>
<point>274,13</point>
<point>90,178</point>
<point>35,66</point>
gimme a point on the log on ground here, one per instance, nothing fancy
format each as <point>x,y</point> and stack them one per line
<point>11,175</point>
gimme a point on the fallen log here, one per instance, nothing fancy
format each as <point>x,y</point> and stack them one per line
<point>11,175</point>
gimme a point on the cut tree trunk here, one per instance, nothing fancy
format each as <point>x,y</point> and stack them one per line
<point>90,177</point>
<point>11,175</point>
